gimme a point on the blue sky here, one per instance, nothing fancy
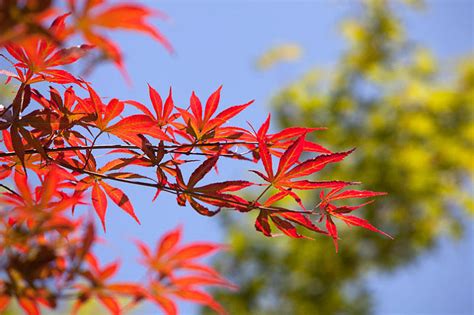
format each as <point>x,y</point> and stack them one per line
<point>217,43</point>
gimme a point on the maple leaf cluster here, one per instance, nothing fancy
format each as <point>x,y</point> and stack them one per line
<point>56,134</point>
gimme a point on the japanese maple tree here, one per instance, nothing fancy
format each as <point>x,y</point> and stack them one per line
<point>50,144</point>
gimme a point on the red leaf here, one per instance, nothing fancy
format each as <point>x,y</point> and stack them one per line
<point>130,289</point>
<point>308,185</point>
<point>22,185</point>
<point>356,194</point>
<point>332,230</point>
<point>201,298</point>
<point>262,225</point>
<point>112,110</point>
<point>120,199</point>
<point>196,108</point>
<point>291,156</point>
<point>68,55</point>
<point>156,101</point>
<point>352,220</point>
<point>195,250</point>
<point>301,220</point>
<point>187,281</point>
<point>263,130</point>
<point>4,301</point>
<point>29,306</point>
<point>233,185</point>
<point>202,170</point>
<point>108,271</point>
<point>128,128</point>
<point>314,147</point>
<point>276,197</point>
<point>110,303</point>
<point>168,242</point>
<point>202,209</point>
<point>99,201</point>
<point>212,103</point>
<point>291,132</point>
<point>168,306</point>
<point>311,166</point>
<point>225,115</point>
<point>286,227</point>
<point>169,105</point>
<point>266,159</point>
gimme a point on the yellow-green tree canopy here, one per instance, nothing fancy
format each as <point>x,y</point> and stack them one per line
<point>411,119</point>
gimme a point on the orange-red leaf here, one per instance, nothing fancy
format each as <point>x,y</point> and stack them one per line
<point>195,250</point>
<point>128,128</point>
<point>168,242</point>
<point>110,303</point>
<point>212,103</point>
<point>99,201</point>
<point>29,306</point>
<point>120,199</point>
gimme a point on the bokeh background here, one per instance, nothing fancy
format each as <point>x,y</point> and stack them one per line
<point>394,79</point>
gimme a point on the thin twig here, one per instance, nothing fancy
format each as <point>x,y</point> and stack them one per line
<point>120,146</point>
<point>9,189</point>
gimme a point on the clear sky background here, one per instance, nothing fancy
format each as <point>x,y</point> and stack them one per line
<point>217,42</point>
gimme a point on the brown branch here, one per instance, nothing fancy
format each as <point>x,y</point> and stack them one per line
<point>132,147</point>
<point>178,191</point>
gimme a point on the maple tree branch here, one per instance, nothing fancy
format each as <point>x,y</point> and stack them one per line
<point>132,147</point>
<point>178,191</point>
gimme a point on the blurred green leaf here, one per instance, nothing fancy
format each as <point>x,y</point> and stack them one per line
<point>412,122</point>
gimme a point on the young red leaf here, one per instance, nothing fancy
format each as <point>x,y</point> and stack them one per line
<point>196,108</point>
<point>155,101</point>
<point>212,103</point>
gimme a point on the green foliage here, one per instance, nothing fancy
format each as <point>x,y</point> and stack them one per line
<point>412,122</point>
